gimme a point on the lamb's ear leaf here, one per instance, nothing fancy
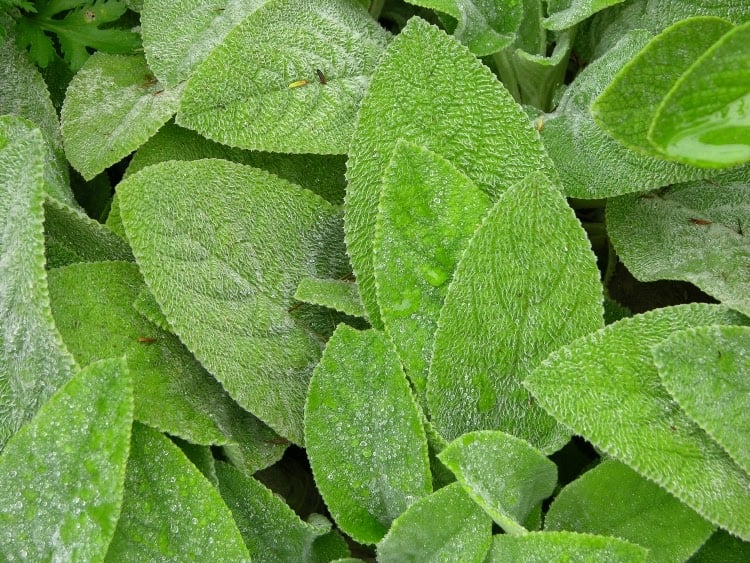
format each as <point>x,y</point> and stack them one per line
<point>112,106</point>
<point>529,274</point>
<point>722,546</point>
<point>613,500</point>
<point>567,13</point>
<point>445,526</point>
<point>364,435</point>
<point>505,475</point>
<point>605,387</point>
<point>223,262</point>
<point>33,359</point>
<point>489,140</point>
<point>170,510</point>
<point>540,547</point>
<point>63,472</point>
<point>339,295</point>
<point>260,88</point>
<point>693,232</point>
<point>707,371</point>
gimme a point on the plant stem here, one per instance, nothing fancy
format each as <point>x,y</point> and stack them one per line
<point>376,6</point>
<point>507,73</point>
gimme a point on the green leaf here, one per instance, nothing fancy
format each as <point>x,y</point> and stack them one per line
<point>693,232</point>
<point>605,387</point>
<point>428,211</point>
<point>260,89</point>
<point>223,262</point>
<point>488,140</point>
<point>484,26</point>
<point>707,371</point>
<point>628,105</point>
<point>364,436</point>
<point>504,475</point>
<point>63,472</point>
<point>339,295</point>
<point>561,547</point>
<point>33,359</point>
<point>613,500</point>
<point>170,512</point>
<point>722,547</point>
<point>529,276</point>
<point>200,456</point>
<point>704,120</point>
<point>445,526</point>
<point>591,164</point>
<point>567,13</point>
<point>147,306</point>
<point>271,530</point>
<point>113,105</point>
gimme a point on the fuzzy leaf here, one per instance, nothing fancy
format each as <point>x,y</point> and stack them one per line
<point>445,526</point>
<point>33,359</point>
<point>147,306</point>
<point>260,90</point>
<point>170,512</point>
<point>613,500</point>
<point>707,371</point>
<point>113,105</point>
<point>428,211</point>
<point>722,547</point>
<point>605,387</point>
<point>567,13</point>
<point>339,295</point>
<point>224,272</point>
<point>560,547</point>
<point>503,474</point>
<point>364,436</point>
<point>489,140</point>
<point>62,473</point>
<point>693,232</point>
<point>529,279</point>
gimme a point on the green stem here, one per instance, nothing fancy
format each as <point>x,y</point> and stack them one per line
<point>376,6</point>
<point>507,73</point>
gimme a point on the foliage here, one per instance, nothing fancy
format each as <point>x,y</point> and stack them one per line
<point>429,280</point>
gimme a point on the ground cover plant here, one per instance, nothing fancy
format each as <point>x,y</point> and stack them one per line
<point>317,280</point>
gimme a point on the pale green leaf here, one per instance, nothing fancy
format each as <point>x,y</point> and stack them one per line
<point>428,211</point>
<point>567,13</point>
<point>170,512</point>
<point>339,295</point>
<point>526,284</point>
<point>260,88</point>
<point>628,105</point>
<point>705,118</point>
<point>722,548</point>
<point>445,526</point>
<point>693,232</point>
<point>504,475</point>
<point>114,222</point>
<point>364,436</point>
<point>707,371</point>
<point>613,500</point>
<point>178,35</point>
<point>112,106</point>
<point>62,474</point>
<point>200,456</point>
<point>33,359</point>
<point>605,387</point>
<point>222,248</point>
<point>147,306</point>
<point>450,104</point>
<point>562,547</point>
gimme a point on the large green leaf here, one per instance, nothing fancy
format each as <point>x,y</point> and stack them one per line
<point>260,89</point>
<point>170,512</point>
<point>567,13</point>
<point>364,436</point>
<point>112,106</point>
<point>428,211</point>
<point>503,474</point>
<point>222,248</point>
<point>445,526</point>
<point>62,474</point>
<point>488,140</point>
<point>605,387</point>
<point>613,500</point>
<point>707,371</point>
<point>526,284</point>
<point>561,547</point>
<point>693,232</point>
<point>33,359</point>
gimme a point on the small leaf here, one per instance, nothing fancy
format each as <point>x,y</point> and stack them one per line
<point>529,276</point>
<point>543,547</point>
<point>613,500</point>
<point>63,472</point>
<point>112,106</point>
<point>170,512</point>
<point>707,371</point>
<point>564,14</point>
<point>605,387</point>
<point>445,526</point>
<point>722,547</point>
<point>339,295</point>
<point>364,436</point>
